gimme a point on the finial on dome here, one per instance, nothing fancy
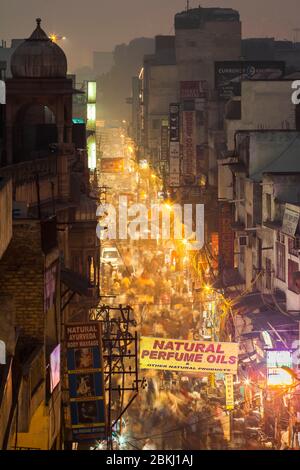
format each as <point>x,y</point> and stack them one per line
<point>38,22</point>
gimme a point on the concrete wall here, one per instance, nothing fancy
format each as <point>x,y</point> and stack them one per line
<point>198,49</point>
<point>267,105</point>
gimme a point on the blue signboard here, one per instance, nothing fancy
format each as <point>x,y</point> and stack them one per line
<point>86,383</point>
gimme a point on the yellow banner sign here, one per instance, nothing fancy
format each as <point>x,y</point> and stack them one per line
<point>229,391</point>
<point>188,356</point>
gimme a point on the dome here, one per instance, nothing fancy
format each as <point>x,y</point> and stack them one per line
<point>38,57</point>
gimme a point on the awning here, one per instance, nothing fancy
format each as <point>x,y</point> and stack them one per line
<point>229,278</point>
<point>75,282</point>
<point>264,321</point>
<point>258,301</point>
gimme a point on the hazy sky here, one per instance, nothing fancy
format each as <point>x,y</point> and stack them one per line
<point>101,24</point>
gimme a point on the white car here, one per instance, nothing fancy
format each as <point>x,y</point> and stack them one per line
<point>111,255</point>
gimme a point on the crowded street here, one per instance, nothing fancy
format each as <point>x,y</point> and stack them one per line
<point>172,298</point>
<point>149,230</point>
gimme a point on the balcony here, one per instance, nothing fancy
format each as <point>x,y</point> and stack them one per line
<point>5,213</point>
<point>26,172</point>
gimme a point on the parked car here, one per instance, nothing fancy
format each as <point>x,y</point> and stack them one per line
<point>111,255</point>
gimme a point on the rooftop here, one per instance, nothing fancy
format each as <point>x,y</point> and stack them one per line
<point>193,18</point>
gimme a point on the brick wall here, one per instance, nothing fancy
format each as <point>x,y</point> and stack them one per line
<point>22,278</point>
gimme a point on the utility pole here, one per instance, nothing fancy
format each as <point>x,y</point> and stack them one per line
<point>120,356</point>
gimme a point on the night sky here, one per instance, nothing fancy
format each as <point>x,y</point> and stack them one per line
<point>101,24</point>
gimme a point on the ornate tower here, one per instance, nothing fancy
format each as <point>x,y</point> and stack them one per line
<point>39,99</point>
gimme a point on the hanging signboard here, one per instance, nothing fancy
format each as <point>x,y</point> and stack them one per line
<point>193,89</point>
<point>226,236</point>
<point>188,356</point>
<point>189,142</point>
<point>86,382</point>
<point>229,391</point>
<point>174,114</point>
<point>164,142</point>
<point>290,222</point>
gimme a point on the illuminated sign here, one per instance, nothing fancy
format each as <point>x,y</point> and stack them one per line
<point>92,92</point>
<point>54,368</point>
<point>112,165</point>
<point>188,356</point>
<point>78,121</point>
<point>92,154</point>
<point>276,375</point>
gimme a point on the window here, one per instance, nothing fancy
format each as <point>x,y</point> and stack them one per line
<point>280,259</point>
<point>259,254</point>
<point>156,124</point>
<point>268,274</point>
<point>269,206</point>
<point>292,250</point>
<point>293,267</point>
<point>249,221</point>
<point>242,190</point>
<point>91,271</point>
<point>77,262</point>
<point>242,254</point>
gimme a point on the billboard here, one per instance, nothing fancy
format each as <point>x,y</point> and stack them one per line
<point>174,145</point>
<point>174,122</point>
<point>189,142</point>
<point>174,176</point>
<point>188,356</point>
<point>112,165</point>
<point>190,90</point>
<point>54,368</point>
<point>86,381</point>
<point>164,144</point>
<point>226,236</point>
<point>230,74</point>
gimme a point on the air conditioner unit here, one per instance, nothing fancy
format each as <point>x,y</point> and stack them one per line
<point>244,240</point>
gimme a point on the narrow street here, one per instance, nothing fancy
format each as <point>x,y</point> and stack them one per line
<point>170,298</point>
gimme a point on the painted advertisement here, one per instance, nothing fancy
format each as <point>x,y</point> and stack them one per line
<point>188,356</point>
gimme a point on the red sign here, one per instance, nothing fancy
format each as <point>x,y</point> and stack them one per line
<point>226,235</point>
<point>189,142</point>
<point>191,90</point>
<point>112,165</point>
